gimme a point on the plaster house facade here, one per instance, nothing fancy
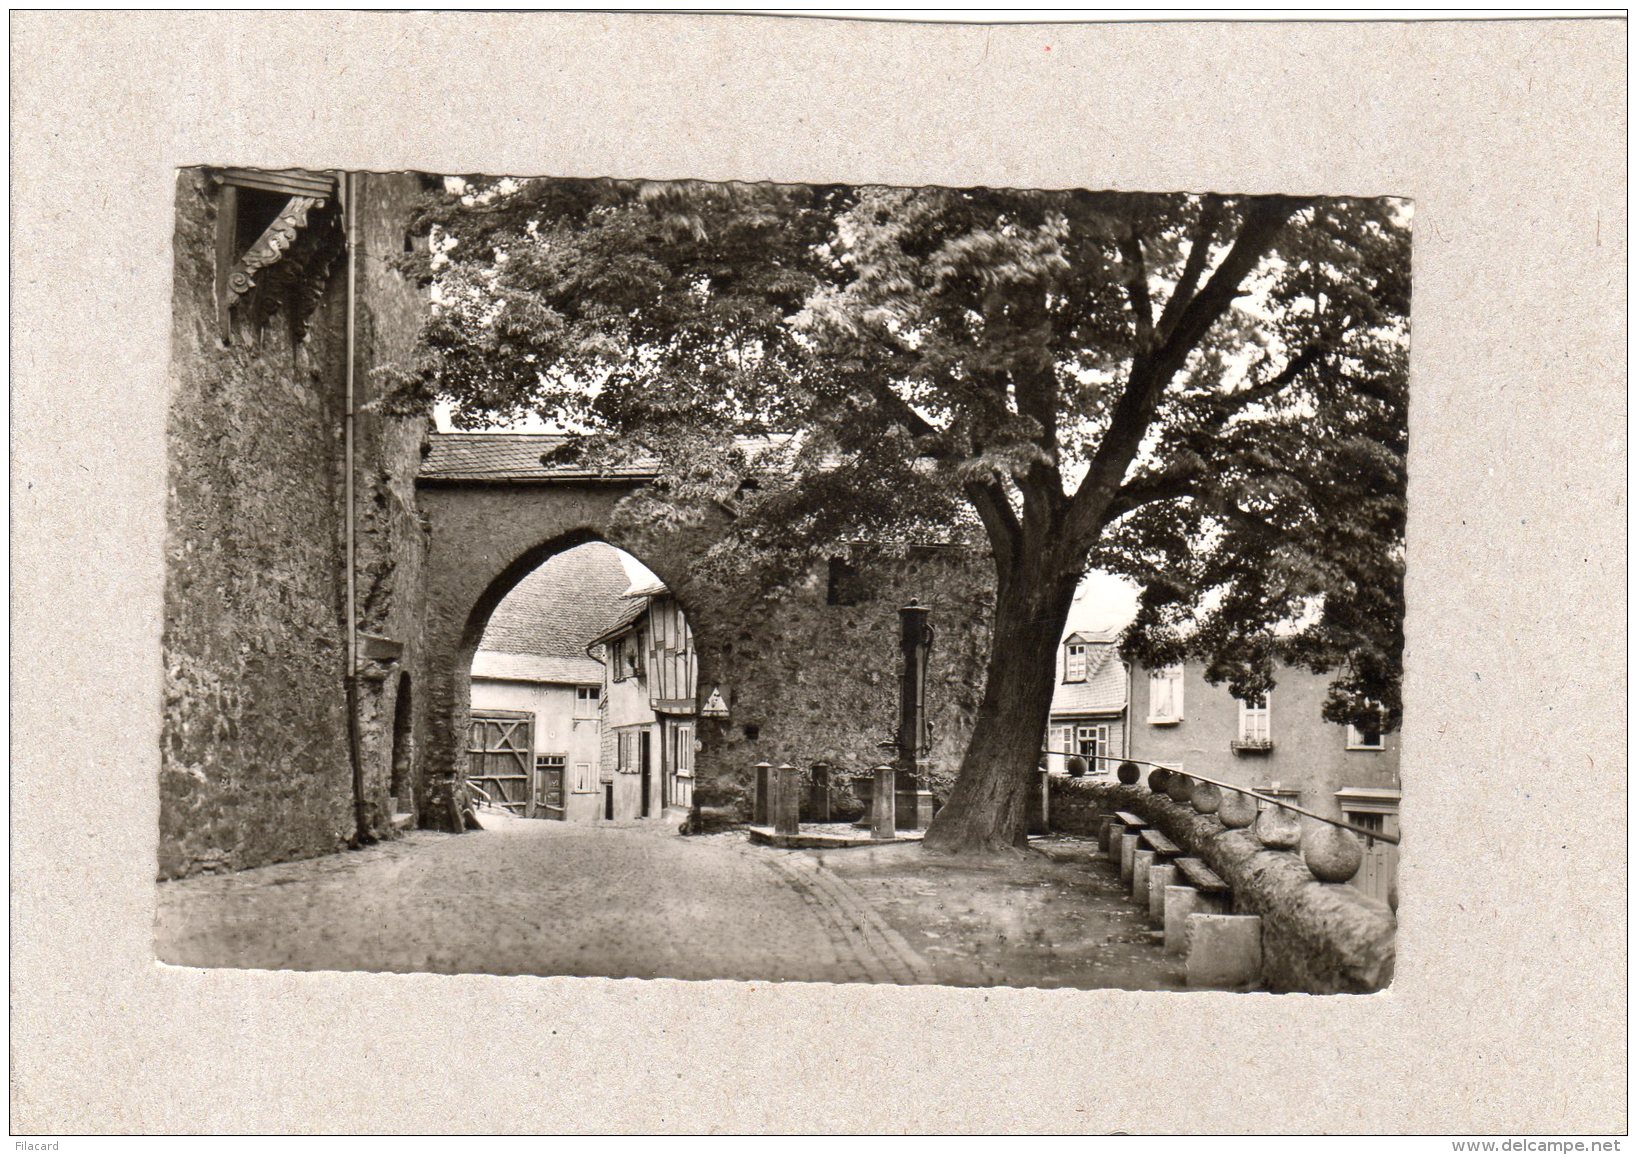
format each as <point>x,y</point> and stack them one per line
<point>536,731</point>
<point>649,703</point>
<point>1281,745</point>
<point>1088,714</point>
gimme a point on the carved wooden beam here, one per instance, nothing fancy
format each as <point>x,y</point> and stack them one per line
<point>269,248</point>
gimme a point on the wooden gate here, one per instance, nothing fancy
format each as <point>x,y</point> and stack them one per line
<point>500,757</point>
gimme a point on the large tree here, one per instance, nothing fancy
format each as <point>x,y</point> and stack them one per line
<point>1204,393</point>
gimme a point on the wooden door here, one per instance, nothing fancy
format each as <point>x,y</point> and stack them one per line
<point>549,770</point>
<point>500,756</point>
<point>646,743</point>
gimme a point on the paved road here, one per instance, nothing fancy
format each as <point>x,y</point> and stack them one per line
<point>543,898</point>
<point>553,898</point>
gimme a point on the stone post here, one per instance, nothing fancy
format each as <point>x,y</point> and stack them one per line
<point>1142,863</point>
<point>761,813</point>
<point>883,809</point>
<point>1160,876</point>
<point>787,801</point>
<point>914,738</point>
<point>1224,950</point>
<point>1128,855</point>
<point>819,799</point>
<point>1040,804</point>
<point>1182,902</point>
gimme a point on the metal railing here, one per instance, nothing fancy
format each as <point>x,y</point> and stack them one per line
<point>1362,831</point>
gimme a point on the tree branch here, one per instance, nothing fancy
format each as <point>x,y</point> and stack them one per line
<point>1210,215</point>
<point>1149,488</point>
<point>1148,379</point>
<point>1136,288</point>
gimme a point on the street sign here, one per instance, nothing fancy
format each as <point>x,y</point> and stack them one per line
<point>715,706</point>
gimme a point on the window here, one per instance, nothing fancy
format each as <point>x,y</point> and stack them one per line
<point>1364,739</point>
<point>585,701</point>
<point>1368,820</point>
<point>1165,695</point>
<point>844,586</point>
<point>1060,738</point>
<point>1255,723</point>
<point>684,751</point>
<point>582,779</point>
<point>626,741</point>
<point>1091,742</point>
<point>616,659</point>
<point>1074,663</point>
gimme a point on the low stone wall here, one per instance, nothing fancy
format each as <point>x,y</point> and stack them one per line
<point>1322,938</point>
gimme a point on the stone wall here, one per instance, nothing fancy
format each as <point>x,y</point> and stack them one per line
<point>254,761</point>
<point>805,680</point>
<point>1321,938</point>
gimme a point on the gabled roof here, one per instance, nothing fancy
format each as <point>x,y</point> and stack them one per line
<point>500,666</point>
<point>1103,691</point>
<point>1093,636</point>
<point>510,457</point>
<point>634,610</point>
<point>556,610</point>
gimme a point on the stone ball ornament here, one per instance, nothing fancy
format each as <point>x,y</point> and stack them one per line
<point>1278,829</point>
<point>1157,778</point>
<point>1332,854</point>
<point>1076,766</point>
<point>1128,773</point>
<point>1207,797</point>
<point>1237,810</point>
<point>1180,787</point>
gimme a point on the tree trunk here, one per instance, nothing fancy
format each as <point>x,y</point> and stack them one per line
<point>988,809</point>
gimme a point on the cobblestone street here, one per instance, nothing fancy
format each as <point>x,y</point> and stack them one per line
<point>551,898</point>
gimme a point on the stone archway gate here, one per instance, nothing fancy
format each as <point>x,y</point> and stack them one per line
<point>809,670</point>
<point>495,512</point>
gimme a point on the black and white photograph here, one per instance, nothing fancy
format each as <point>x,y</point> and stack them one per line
<point>819,573</point>
<point>785,582</point>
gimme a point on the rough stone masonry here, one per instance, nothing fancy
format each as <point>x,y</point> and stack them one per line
<point>255,766</point>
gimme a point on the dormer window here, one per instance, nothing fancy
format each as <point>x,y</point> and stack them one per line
<point>1074,663</point>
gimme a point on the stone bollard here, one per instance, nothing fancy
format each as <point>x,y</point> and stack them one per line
<point>787,801</point>
<point>883,807</point>
<point>818,800</point>
<point>1181,903</point>
<point>1104,825</point>
<point>1236,810</point>
<point>1278,829</point>
<point>1224,950</point>
<point>761,813</point>
<point>1115,831</point>
<point>1332,854</point>
<point>1160,876</point>
<point>1141,863</point>
<point>1180,788</point>
<point>1128,856</point>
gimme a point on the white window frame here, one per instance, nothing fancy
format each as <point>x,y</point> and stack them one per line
<point>1076,650</point>
<point>584,780</point>
<point>587,699</point>
<point>1098,733</point>
<point>1247,713</point>
<point>684,750</point>
<point>1174,676</point>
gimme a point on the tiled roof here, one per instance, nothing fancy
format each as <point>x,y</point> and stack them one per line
<point>532,668</point>
<point>634,609</point>
<point>561,606</point>
<point>1103,691</point>
<point>508,457</point>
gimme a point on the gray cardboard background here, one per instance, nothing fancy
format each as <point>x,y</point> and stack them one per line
<point>1509,1009</point>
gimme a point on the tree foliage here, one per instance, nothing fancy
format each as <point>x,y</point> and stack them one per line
<point>1206,394</point>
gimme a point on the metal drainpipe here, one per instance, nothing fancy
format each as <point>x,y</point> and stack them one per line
<point>361,832</point>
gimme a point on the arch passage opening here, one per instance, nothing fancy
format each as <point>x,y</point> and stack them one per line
<point>583,695</point>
